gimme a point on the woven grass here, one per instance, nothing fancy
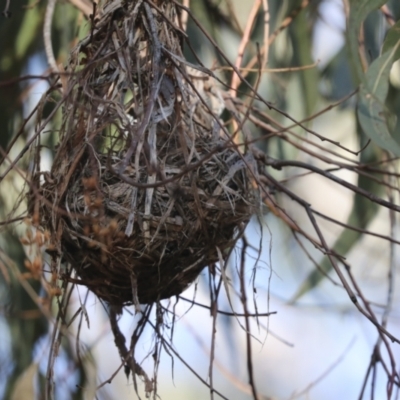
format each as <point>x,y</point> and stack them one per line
<point>147,188</point>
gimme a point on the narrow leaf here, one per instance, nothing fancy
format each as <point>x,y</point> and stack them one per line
<point>391,40</point>
<point>27,33</point>
<point>359,10</point>
<point>376,120</point>
<point>302,51</point>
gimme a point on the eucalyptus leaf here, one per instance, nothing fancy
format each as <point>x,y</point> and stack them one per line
<point>377,121</point>
<point>27,33</point>
<point>373,90</point>
<point>302,55</point>
<point>359,10</point>
<point>392,39</point>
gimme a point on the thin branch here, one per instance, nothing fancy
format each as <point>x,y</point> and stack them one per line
<point>6,12</point>
<point>277,164</point>
<point>48,18</point>
<point>236,79</point>
<point>243,298</point>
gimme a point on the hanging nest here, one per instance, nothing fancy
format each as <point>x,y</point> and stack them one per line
<point>147,188</point>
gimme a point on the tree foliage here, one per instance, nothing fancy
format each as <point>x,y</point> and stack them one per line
<point>262,55</point>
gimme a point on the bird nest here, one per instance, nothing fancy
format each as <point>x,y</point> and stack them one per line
<point>147,188</point>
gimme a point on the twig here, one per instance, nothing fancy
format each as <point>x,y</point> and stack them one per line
<point>228,314</point>
<point>169,348</point>
<point>265,47</point>
<point>6,11</point>
<point>243,44</point>
<point>243,299</point>
<point>126,355</point>
<point>285,23</point>
<point>280,164</point>
<point>48,18</point>
<point>391,20</point>
<point>265,70</point>
<point>185,15</point>
<point>83,6</point>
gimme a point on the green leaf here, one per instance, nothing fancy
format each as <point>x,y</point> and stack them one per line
<point>359,10</point>
<point>377,121</point>
<point>28,31</point>
<point>302,55</point>
<point>391,40</point>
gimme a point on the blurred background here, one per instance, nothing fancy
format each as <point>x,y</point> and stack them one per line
<point>316,344</point>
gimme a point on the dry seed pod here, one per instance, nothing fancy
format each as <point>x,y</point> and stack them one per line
<point>146,188</point>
